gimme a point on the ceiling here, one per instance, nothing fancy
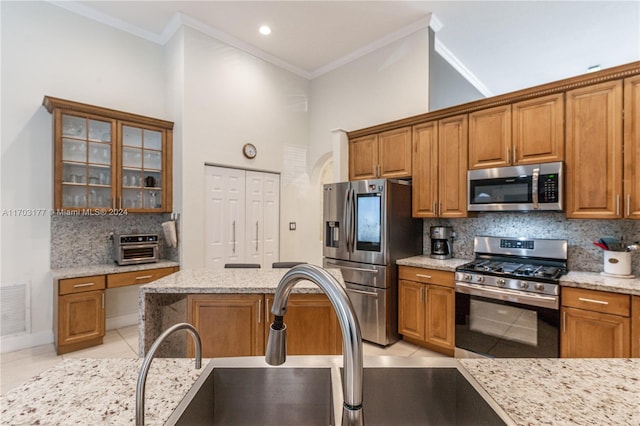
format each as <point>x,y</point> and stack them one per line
<point>500,46</point>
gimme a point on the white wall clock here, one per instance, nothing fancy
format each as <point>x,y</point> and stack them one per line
<point>249,150</point>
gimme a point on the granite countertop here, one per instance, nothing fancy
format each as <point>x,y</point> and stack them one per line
<point>108,268</point>
<point>429,263</point>
<point>527,391</point>
<point>562,391</point>
<point>261,280</point>
<point>588,280</point>
<point>99,392</point>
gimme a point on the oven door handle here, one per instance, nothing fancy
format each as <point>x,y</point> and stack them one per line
<point>551,302</point>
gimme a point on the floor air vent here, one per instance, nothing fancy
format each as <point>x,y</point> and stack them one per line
<point>14,314</point>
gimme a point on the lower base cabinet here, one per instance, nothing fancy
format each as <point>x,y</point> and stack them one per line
<point>426,308</point>
<point>595,324</point>
<point>238,324</point>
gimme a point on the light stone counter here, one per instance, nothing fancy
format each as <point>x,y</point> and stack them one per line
<point>429,263</point>
<point>108,268</point>
<point>163,302</point>
<point>603,392</point>
<point>99,392</point>
<point>562,391</point>
<point>596,281</point>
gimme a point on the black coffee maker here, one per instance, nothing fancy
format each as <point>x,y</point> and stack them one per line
<point>441,242</point>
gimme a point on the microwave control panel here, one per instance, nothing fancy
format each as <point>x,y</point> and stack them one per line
<point>548,189</point>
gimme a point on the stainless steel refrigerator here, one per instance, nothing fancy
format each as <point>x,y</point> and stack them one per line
<point>367,227</point>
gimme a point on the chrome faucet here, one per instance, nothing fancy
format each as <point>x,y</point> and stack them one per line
<point>142,377</point>
<point>351,337</point>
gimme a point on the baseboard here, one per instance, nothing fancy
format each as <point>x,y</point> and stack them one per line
<point>24,341</point>
<point>122,321</point>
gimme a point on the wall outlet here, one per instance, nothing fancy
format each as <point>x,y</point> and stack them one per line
<point>292,226</point>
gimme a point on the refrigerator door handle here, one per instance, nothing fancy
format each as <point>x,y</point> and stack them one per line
<point>352,224</point>
<point>345,219</point>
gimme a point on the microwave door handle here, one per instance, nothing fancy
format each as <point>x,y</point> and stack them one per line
<point>534,189</point>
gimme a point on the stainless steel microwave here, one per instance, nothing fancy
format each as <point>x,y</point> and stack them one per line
<point>532,187</point>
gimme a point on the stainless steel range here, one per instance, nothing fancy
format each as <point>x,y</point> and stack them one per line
<point>508,298</point>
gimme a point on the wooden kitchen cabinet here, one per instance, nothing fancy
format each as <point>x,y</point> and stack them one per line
<point>595,324</point>
<point>632,147</point>
<point>78,312</point>
<point>381,155</point>
<point>490,137</point>
<point>439,168</point>
<point>526,132</point>
<point>426,308</point>
<point>228,324</point>
<point>110,161</point>
<point>594,151</point>
<point>312,325</point>
<point>138,277</point>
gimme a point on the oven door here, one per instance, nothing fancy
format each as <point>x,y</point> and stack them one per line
<point>506,324</point>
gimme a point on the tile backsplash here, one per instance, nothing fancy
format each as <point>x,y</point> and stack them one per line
<point>86,240</point>
<point>582,255</point>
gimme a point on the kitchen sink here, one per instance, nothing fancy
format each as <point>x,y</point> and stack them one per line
<point>423,396</point>
<point>307,390</point>
<point>258,396</point>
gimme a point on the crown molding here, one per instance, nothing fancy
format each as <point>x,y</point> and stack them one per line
<point>461,68</point>
<point>371,47</point>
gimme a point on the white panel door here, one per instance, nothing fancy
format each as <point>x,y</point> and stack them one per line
<point>224,216</point>
<point>254,216</point>
<point>271,219</point>
<point>235,216</point>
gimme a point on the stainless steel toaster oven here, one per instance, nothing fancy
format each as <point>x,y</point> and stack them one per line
<point>131,249</point>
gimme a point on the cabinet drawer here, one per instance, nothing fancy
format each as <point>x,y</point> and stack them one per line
<point>137,277</point>
<point>81,284</point>
<point>428,276</point>
<point>597,301</point>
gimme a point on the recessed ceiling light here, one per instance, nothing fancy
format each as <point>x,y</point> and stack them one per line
<point>265,30</point>
<point>593,68</point>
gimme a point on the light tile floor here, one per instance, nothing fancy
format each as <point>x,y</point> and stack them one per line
<point>19,366</point>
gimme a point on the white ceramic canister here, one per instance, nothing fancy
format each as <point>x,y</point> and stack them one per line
<point>617,262</point>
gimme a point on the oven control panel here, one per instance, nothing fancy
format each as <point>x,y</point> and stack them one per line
<point>517,244</point>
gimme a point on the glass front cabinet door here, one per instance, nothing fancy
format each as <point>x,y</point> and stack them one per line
<point>109,161</point>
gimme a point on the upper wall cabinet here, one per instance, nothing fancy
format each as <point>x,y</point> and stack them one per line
<point>594,151</point>
<point>440,168</point>
<point>526,132</point>
<point>107,159</point>
<point>632,147</point>
<point>381,155</point>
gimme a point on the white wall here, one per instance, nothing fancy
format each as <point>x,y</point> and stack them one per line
<point>231,98</point>
<point>387,84</point>
<point>49,51</point>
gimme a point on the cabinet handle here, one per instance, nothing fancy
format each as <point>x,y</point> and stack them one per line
<point>618,205</point>
<point>113,202</point>
<point>424,276</point>
<point>435,208</point>
<point>421,294</point>
<point>564,322</point>
<point>628,205</point>
<point>599,302</point>
<point>439,208</point>
<point>120,203</point>
<point>144,277</point>
<point>507,150</point>
<point>83,285</point>
<point>259,311</point>
<point>266,311</point>
<point>515,157</point>
<point>256,236</point>
<point>103,300</point>
<point>234,236</point>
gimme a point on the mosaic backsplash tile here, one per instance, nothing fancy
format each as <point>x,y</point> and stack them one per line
<point>86,240</point>
<point>580,234</point>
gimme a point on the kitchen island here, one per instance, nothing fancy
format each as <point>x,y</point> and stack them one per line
<point>521,391</point>
<point>163,302</point>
